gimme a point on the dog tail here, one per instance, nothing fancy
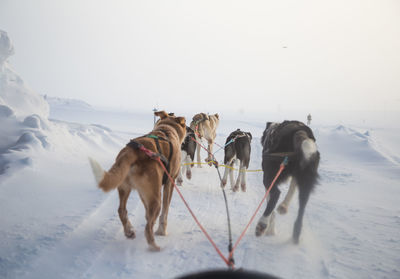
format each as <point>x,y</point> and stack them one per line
<point>109,180</point>
<point>307,150</point>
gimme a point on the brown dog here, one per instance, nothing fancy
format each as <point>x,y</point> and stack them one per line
<point>133,169</point>
<point>205,125</point>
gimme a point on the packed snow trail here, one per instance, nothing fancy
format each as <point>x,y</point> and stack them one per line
<point>60,225</point>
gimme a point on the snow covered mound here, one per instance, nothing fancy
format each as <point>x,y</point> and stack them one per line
<point>25,129</point>
<point>6,47</point>
<point>62,103</point>
<point>14,94</point>
<point>23,115</point>
<point>356,145</point>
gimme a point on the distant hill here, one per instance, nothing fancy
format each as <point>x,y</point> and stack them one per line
<point>57,102</point>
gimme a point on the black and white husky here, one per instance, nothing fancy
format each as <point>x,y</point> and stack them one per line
<point>237,147</point>
<point>188,149</point>
<point>296,139</point>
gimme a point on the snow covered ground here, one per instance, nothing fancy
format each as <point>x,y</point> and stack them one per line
<point>55,223</point>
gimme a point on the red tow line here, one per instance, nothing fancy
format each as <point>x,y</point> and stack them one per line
<point>281,168</point>
<point>228,262</point>
<point>154,156</point>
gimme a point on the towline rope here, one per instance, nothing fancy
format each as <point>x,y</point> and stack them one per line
<point>225,166</point>
<point>156,157</point>
<point>196,131</point>
<point>230,261</point>
<point>281,168</point>
<point>215,163</point>
<point>222,147</point>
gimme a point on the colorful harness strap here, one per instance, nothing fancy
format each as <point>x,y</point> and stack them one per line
<point>135,145</point>
<point>162,157</point>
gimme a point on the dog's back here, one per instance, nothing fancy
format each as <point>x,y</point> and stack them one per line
<point>237,146</point>
<point>189,145</point>
<point>296,137</point>
<point>214,120</point>
<point>240,147</point>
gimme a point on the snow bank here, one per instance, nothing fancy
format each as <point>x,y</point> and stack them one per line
<point>57,103</point>
<point>14,94</point>
<point>23,115</point>
<point>25,129</point>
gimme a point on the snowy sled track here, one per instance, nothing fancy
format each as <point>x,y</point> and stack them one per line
<point>60,225</point>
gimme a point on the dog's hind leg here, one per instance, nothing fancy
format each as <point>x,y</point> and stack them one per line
<point>224,178</point>
<point>152,210</point>
<point>182,168</point>
<point>150,193</point>
<point>198,149</point>
<point>124,190</point>
<point>189,165</point>
<point>231,178</point>
<point>228,167</point>
<point>239,178</point>
<point>243,171</point>
<point>283,207</point>
<point>210,150</point>
<point>304,194</point>
<point>265,220</point>
<point>179,179</point>
<point>167,195</point>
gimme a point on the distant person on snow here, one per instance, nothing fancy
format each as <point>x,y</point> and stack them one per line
<point>308,119</point>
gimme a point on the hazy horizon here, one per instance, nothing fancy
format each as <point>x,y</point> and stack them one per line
<point>210,55</point>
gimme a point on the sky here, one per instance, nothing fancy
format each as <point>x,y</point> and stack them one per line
<point>210,55</point>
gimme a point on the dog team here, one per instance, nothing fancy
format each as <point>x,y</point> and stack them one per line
<point>175,144</point>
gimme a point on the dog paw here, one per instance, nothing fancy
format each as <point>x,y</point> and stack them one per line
<point>161,231</point>
<point>243,186</point>
<point>295,240</point>
<point>130,233</point>
<point>223,183</point>
<point>179,181</point>
<point>235,188</point>
<point>154,248</point>
<point>189,174</point>
<point>282,209</point>
<point>270,231</point>
<point>260,229</point>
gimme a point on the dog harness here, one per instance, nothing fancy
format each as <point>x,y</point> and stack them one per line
<point>277,133</point>
<point>195,124</point>
<point>135,145</point>
<point>235,135</point>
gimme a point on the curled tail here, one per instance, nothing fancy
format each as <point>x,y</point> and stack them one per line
<point>308,153</point>
<point>109,180</point>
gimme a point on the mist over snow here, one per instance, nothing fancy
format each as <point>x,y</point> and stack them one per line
<point>55,223</point>
<point>208,55</point>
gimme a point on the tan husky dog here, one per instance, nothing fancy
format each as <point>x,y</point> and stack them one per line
<point>205,125</point>
<point>133,169</point>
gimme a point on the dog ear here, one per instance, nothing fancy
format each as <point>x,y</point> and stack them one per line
<point>249,134</point>
<point>216,115</point>
<point>171,114</point>
<point>162,114</point>
<point>268,124</point>
<point>181,121</point>
<point>205,116</point>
